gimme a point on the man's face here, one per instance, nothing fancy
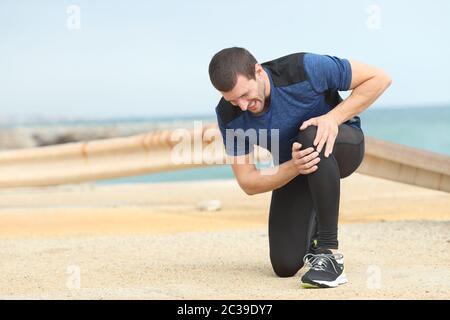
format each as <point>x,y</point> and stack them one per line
<point>248,94</point>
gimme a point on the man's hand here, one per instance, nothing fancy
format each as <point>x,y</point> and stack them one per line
<point>327,131</point>
<point>304,160</point>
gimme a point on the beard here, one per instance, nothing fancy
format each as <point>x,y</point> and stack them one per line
<point>262,97</point>
<point>259,101</point>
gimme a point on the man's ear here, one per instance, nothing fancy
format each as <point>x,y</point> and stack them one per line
<point>258,69</point>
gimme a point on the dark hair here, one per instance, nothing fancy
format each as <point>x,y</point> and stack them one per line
<point>227,64</point>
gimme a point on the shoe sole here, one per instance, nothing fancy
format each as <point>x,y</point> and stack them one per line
<point>342,279</point>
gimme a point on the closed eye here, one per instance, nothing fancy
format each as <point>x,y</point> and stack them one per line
<point>242,96</point>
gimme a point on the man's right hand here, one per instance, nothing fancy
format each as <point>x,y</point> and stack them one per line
<point>305,161</point>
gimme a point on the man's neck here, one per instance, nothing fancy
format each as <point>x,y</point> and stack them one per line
<point>266,91</point>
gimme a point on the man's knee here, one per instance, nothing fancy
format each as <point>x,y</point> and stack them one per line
<point>306,137</point>
<point>286,268</point>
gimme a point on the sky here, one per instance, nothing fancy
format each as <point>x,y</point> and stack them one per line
<point>104,58</point>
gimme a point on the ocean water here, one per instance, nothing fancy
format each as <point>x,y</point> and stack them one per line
<point>426,128</point>
<point>423,128</point>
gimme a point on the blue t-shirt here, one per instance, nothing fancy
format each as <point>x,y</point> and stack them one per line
<point>302,86</point>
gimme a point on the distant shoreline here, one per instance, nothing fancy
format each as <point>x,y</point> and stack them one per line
<point>396,124</point>
<point>9,121</point>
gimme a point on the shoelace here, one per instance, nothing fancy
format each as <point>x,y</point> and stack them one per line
<point>320,261</point>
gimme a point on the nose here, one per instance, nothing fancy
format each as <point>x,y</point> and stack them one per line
<point>243,104</point>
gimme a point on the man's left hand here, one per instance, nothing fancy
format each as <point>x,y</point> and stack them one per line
<point>327,131</point>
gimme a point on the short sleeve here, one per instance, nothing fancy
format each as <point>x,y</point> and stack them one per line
<point>328,72</point>
<point>237,142</point>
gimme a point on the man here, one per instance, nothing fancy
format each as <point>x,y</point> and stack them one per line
<point>319,142</point>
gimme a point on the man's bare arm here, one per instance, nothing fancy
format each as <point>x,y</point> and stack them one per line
<point>368,83</point>
<point>254,181</point>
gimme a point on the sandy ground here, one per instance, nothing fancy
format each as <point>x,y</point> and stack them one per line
<point>151,242</point>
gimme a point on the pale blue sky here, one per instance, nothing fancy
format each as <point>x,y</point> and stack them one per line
<point>136,58</point>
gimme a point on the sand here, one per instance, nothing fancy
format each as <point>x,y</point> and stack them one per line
<point>150,241</point>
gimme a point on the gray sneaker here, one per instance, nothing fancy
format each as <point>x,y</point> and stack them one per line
<point>326,270</point>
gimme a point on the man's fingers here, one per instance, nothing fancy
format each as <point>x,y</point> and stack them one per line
<point>296,146</point>
<point>310,157</point>
<point>303,153</point>
<point>307,123</point>
<point>308,161</point>
<point>319,136</point>
<point>305,166</point>
<point>322,141</point>
<point>310,170</point>
<point>297,154</point>
<point>311,163</point>
<point>330,144</point>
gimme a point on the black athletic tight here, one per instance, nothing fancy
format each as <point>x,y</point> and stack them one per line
<point>309,204</point>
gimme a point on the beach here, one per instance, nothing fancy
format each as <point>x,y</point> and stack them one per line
<point>151,241</point>
<point>119,130</point>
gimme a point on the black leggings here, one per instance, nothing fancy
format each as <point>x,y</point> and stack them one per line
<point>308,205</point>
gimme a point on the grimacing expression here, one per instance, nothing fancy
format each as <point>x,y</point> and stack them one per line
<point>247,94</point>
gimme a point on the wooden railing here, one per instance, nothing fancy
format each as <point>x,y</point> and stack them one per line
<point>157,152</point>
